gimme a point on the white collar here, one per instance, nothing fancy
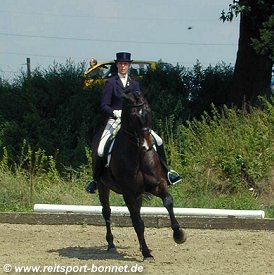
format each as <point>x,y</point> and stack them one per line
<point>123,78</point>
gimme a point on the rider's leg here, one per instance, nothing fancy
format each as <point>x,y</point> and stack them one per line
<point>172,176</point>
<point>97,167</point>
<point>99,161</point>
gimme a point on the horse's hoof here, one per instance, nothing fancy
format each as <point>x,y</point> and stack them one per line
<point>112,248</point>
<point>179,236</point>
<point>149,259</point>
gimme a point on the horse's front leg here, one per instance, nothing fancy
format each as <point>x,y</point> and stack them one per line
<point>106,211</point>
<point>179,235</point>
<point>134,207</point>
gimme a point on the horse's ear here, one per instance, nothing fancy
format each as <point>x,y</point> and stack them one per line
<point>137,94</point>
<point>125,96</point>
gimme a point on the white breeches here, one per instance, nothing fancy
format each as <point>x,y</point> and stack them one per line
<point>112,127</point>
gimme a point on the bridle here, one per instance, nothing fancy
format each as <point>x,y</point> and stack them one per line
<point>144,130</point>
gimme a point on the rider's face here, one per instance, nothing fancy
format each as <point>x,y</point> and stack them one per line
<point>123,67</point>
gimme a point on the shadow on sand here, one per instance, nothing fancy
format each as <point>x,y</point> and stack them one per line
<point>94,253</point>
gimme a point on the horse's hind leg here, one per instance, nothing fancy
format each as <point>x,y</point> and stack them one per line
<point>106,211</point>
<point>134,206</point>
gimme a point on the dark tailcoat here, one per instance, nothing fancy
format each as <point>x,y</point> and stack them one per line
<point>111,99</point>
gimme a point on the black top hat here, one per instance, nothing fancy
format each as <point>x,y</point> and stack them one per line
<point>123,57</point>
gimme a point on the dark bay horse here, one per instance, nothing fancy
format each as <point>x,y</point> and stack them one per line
<point>135,168</point>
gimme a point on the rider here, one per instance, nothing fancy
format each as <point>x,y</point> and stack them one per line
<point>111,106</point>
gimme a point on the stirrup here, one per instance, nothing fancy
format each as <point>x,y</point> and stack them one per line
<point>173,177</point>
<point>91,187</point>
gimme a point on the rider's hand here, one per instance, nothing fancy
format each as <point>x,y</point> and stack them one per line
<point>117,113</point>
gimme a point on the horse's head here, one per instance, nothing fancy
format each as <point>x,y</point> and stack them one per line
<point>136,113</point>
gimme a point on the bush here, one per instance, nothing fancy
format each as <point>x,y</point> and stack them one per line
<point>52,111</point>
<point>230,152</point>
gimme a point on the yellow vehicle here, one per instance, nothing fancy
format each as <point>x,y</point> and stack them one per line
<point>104,70</point>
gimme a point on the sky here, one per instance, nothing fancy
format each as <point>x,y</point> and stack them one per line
<point>174,31</point>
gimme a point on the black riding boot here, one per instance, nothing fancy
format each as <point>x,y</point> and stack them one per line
<point>98,168</point>
<point>171,175</point>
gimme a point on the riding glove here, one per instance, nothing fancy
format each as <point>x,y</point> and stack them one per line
<point>117,113</point>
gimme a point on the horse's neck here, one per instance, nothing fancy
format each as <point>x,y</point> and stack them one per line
<point>130,136</point>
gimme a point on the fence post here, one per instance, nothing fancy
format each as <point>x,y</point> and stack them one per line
<point>28,67</point>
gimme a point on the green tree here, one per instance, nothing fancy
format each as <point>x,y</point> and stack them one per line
<point>252,73</point>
